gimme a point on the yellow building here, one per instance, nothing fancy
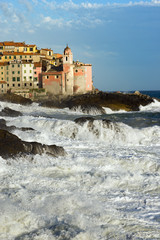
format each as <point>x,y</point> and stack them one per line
<point>11,46</point>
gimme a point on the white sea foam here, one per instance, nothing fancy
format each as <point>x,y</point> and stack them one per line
<point>152,107</point>
<point>107,185</point>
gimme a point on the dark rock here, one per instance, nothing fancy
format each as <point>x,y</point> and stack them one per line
<point>5,127</point>
<point>14,98</point>
<point>88,108</point>
<point>11,145</point>
<point>11,128</point>
<point>26,129</point>
<point>10,112</point>
<point>115,101</point>
<point>83,120</point>
<point>60,230</point>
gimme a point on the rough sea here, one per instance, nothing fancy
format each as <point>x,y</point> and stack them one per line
<point>106,187</point>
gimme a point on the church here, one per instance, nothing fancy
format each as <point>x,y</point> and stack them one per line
<point>67,77</point>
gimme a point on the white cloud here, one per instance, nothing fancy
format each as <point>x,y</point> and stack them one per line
<point>70,5</point>
<point>27,4</point>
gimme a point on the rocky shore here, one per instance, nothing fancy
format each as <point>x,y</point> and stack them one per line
<point>96,101</point>
<point>11,145</point>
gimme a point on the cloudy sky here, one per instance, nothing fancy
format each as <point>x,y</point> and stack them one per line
<point>121,39</point>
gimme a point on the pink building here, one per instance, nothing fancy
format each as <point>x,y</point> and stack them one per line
<point>38,74</point>
<point>69,77</point>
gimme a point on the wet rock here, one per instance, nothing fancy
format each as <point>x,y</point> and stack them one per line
<point>11,128</point>
<point>83,120</point>
<point>5,127</point>
<point>11,146</point>
<point>115,101</point>
<point>88,108</point>
<point>10,112</point>
<point>60,230</point>
<point>14,98</point>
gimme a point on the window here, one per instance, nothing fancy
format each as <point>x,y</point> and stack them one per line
<point>19,84</point>
<point>30,84</point>
<point>2,73</point>
<point>7,67</point>
<point>24,65</point>
<point>9,57</point>
<point>0,58</point>
<point>35,79</point>
<point>14,57</point>
<point>31,49</point>
<point>8,85</point>
<point>30,56</point>
<point>35,72</point>
<point>18,72</point>
<point>24,78</point>
<point>24,71</point>
<point>30,77</point>
<point>2,78</point>
<point>18,79</point>
<point>1,67</point>
<point>30,65</point>
<point>47,77</point>
<point>25,84</point>
<point>7,79</point>
<point>13,65</point>
<point>20,57</point>
<point>2,85</point>
<point>30,71</point>
<point>5,57</point>
<point>18,65</point>
<point>12,72</point>
<point>7,72</point>
<point>66,58</point>
<point>13,79</point>
<point>25,56</point>
<point>13,85</point>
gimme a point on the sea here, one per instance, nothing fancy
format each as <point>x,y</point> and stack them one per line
<point>107,186</point>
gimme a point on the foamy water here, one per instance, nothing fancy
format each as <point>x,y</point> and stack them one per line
<point>106,187</point>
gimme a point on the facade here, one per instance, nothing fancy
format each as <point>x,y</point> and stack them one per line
<point>68,77</point>
<point>3,87</point>
<point>24,68</point>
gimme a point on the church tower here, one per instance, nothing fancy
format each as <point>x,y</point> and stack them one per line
<point>68,71</point>
<point>67,56</point>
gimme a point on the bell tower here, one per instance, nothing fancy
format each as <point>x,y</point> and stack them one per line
<point>68,71</point>
<point>67,56</point>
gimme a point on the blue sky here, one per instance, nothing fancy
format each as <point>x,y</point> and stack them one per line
<point>121,39</point>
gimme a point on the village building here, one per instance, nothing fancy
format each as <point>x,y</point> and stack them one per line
<point>68,77</point>
<point>24,68</point>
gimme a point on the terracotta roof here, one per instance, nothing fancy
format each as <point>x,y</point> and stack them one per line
<point>19,53</point>
<point>37,64</point>
<point>20,44</point>
<point>30,45</point>
<point>46,49</point>
<point>8,43</point>
<point>58,55</point>
<point>3,63</point>
<point>3,82</point>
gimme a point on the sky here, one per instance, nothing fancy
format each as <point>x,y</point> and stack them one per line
<point>121,39</point>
